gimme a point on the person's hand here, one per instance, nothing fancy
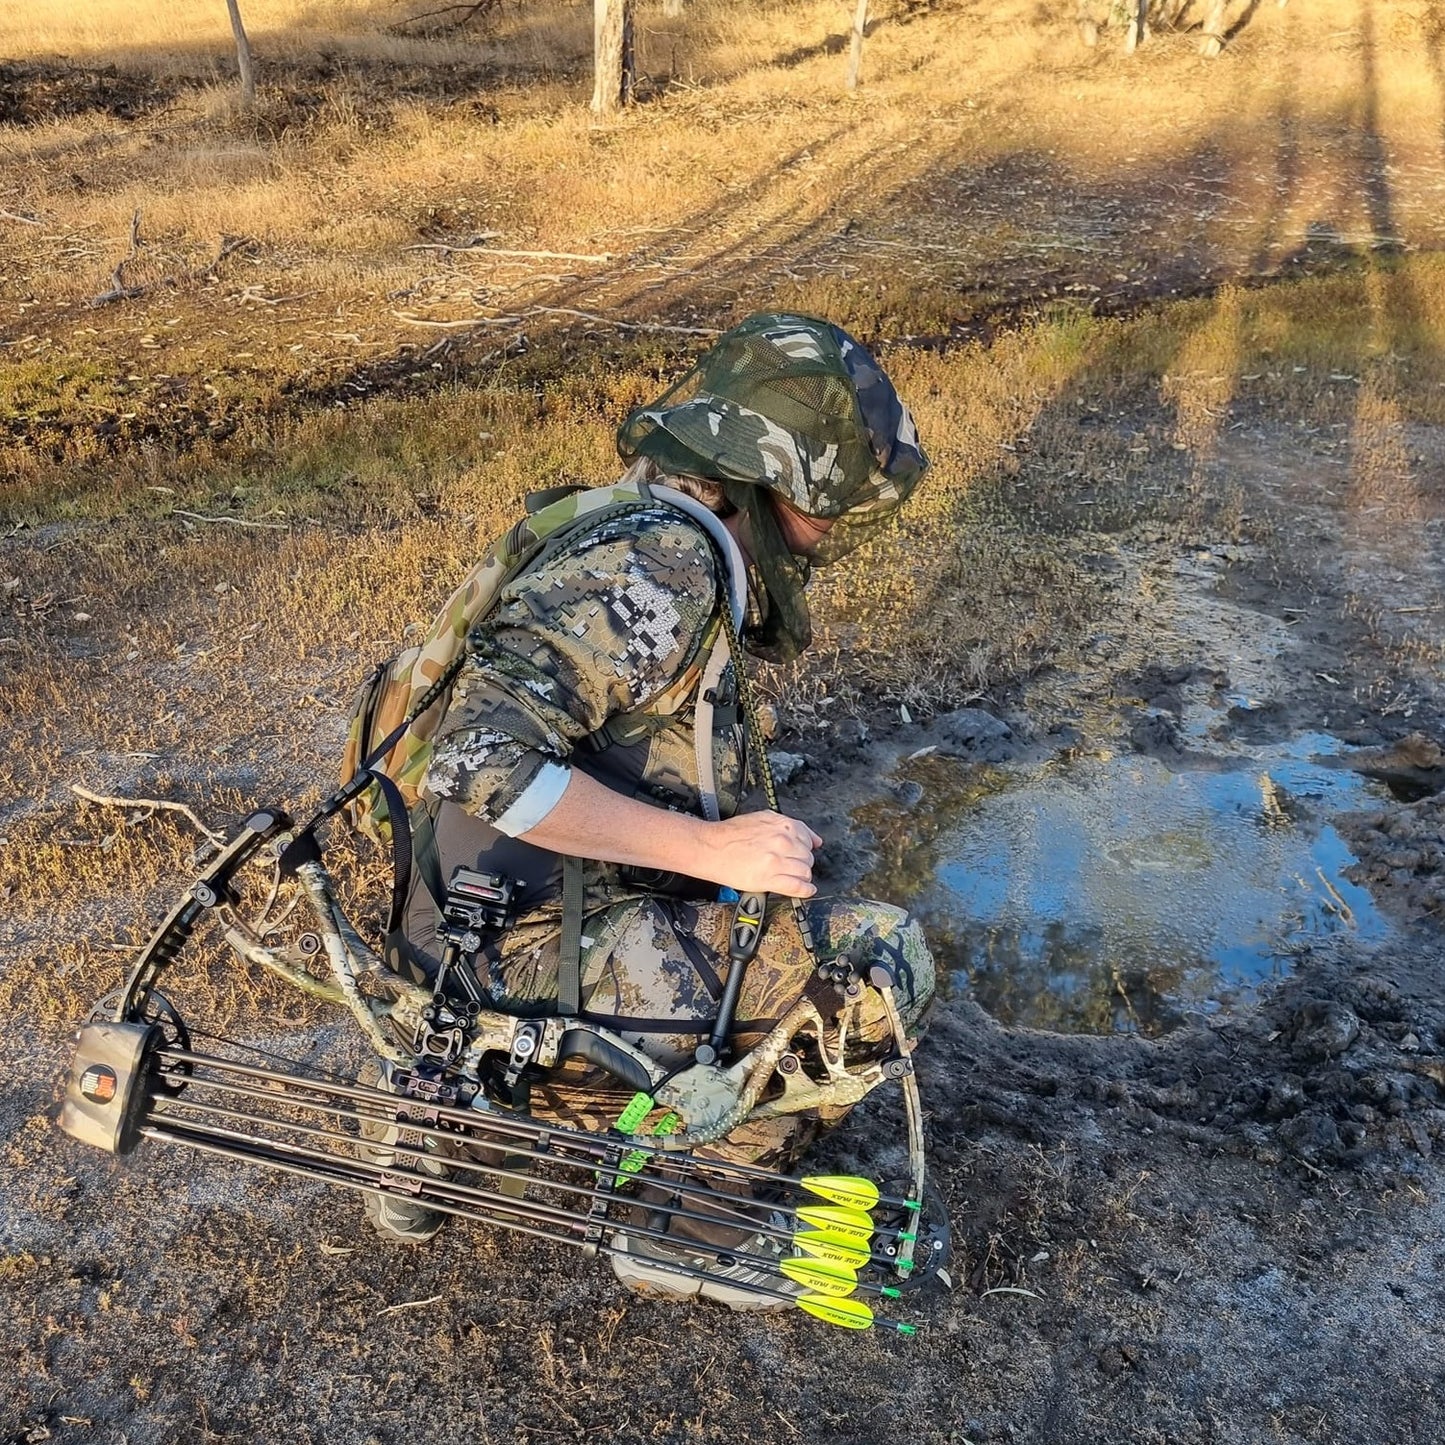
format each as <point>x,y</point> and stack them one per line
<point>761,853</point>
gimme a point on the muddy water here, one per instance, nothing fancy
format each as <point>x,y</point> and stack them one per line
<point>1111,893</point>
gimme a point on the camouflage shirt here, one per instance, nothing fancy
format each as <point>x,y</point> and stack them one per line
<point>600,630</point>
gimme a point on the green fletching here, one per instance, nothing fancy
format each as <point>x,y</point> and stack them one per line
<point>835,1280</point>
<point>889,1292</point>
<point>848,1190</point>
<point>832,1250</point>
<point>849,1314</point>
<point>906,1329</point>
<point>849,1224</point>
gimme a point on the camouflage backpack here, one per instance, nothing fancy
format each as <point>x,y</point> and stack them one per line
<point>392,722</point>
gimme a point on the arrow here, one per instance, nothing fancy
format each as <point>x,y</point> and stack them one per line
<point>831,1249</point>
<point>844,1224</point>
<point>815,1274</point>
<point>853,1191</point>
<point>527,1217</point>
<point>848,1314</point>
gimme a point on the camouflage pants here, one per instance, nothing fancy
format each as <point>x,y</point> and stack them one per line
<point>652,970</point>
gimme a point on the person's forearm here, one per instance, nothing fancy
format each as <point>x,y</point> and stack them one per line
<point>592,821</point>
<point>754,852</point>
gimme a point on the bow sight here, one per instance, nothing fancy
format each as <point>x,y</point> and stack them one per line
<point>457,1143</point>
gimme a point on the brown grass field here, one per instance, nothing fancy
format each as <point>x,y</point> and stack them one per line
<point>421,280</point>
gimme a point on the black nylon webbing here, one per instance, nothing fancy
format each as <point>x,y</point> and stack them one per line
<point>569,958</point>
<point>625,1023</point>
<point>401,851</point>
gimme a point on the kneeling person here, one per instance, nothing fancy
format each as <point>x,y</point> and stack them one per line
<point>597,744</point>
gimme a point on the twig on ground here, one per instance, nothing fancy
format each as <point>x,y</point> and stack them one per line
<point>105,800</point>
<point>17,217</point>
<point>248,294</point>
<point>411,1304</point>
<point>1347,914</point>
<point>230,521</point>
<point>622,325</point>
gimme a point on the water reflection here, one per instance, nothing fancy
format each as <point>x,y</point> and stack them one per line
<point>1111,894</point>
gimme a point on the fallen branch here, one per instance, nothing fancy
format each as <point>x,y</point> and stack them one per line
<point>534,311</point>
<point>22,220</point>
<point>229,521</point>
<point>623,325</point>
<point>523,255</point>
<point>229,246</point>
<point>119,291</point>
<point>467,325</point>
<point>473,8</point>
<point>104,800</point>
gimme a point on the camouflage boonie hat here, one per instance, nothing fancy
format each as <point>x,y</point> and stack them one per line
<point>792,404</point>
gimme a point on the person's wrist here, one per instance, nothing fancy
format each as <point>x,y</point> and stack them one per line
<point>697,847</point>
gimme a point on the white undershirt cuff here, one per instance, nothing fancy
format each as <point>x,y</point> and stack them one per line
<point>535,801</point>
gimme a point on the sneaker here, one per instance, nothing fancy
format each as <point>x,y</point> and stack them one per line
<point>395,1217</point>
<point>641,1264</point>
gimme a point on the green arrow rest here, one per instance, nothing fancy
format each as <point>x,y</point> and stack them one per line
<point>835,1280</point>
<point>832,1250</point>
<point>849,1190</point>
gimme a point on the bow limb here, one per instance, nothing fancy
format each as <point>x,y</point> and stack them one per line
<point>913,1107</point>
<point>333,930</point>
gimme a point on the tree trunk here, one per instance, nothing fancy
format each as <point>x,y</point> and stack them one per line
<point>613,66</point>
<point>243,56</point>
<point>855,50</point>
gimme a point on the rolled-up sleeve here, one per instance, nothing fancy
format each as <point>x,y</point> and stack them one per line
<point>594,632</point>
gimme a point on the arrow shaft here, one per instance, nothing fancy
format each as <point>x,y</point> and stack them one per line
<point>499,1122</point>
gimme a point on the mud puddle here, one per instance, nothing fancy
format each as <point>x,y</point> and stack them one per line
<point>1112,893</point>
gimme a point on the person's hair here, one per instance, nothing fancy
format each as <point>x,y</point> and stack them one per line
<point>700,489</point>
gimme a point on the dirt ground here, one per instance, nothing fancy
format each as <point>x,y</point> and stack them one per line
<point>1231,1233</point>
